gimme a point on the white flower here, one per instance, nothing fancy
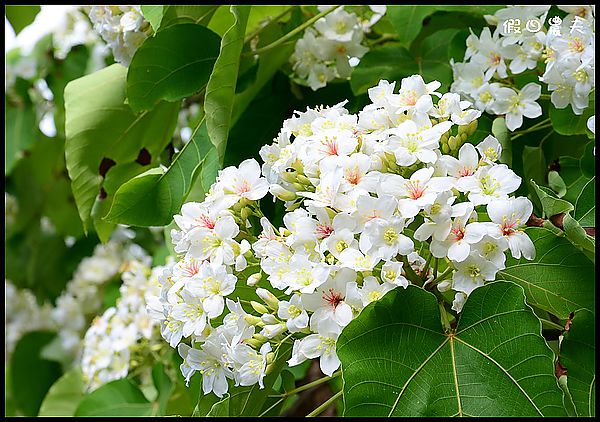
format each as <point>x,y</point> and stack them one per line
<point>294,314</point>
<point>321,346</point>
<point>489,149</point>
<point>489,183</point>
<point>250,365</point>
<point>244,181</point>
<point>210,363</point>
<point>515,106</point>
<point>510,216</point>
<point>373,290</point>
<point>471,273</point>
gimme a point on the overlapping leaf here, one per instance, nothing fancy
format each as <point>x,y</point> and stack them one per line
<point>577,354</point>
<point>398,361</point>
<point>117,398</point>
<point>559,280</point>
<point>100,125</point>
<point>167,68</point>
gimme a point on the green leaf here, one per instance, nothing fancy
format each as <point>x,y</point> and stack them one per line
<point>220,408</point>
<point>117,398</point>
<point>20,132</point>
<point>174,64</point>
<point>559,280</point>
<point>585,206</point>
<point>389,62</point>
<point>163,385</point>
<point>20,16</point>
<point>64,395</point>
<point>153,197</point>
<point>557,183</point>
<point>551,205</point>
<point>577,172</point>
<point>398,361</point>
<point>565,122</point>
<point>198,14</point>
<point>154,15</point>
<point>577,354</point>
<point>501,133</point>
<point>32,376</point>
<point>434,56</point>
<point>99,125</point>
<point>220,91</point>
<point>535,164</point>
<point>579,238</point>
<point>408,20</point>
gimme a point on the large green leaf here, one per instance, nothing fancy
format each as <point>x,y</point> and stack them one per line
<point>577,354</point>
<point>559,280</point>
<point>64,395</point>
<point>198,14</point>
<point>576,173</point>
<point>565,122</point>
<point>152,198</point>
<point>408,20</point>
<point>398,361</point>
<point>220,91</point>
<point>31,375</point>
<point>174,64</point>
<point>585,206</point>
<point>100,125</point>
<point>117,398</point>
<point>389,62</point>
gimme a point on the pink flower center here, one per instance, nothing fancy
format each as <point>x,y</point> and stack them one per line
<point>458,233</point>
<point>415,190</point>
<point>243,187</point>
<point>332,298</point>
<point>330,147</point>
<point>192,268</point>
<point>206,221</point>
<point>465,171</point>
<point>324,231</point>
<point>353,177</point>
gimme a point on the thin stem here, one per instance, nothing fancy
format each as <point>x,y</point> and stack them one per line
<point>546,137</point>
<point>435,268</point>
<point>442,276</point>
<point>271,21</point>
<point>410,273</point>
<point>274,405</point>
<point>308,386</point>
<point>444,314</point>
<point>538,126</point>
<point>292,33</point>
<point>426,267</point>
<point>325,405</point>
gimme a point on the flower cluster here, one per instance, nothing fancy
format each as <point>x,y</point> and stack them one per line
<point>81,297</point>
<point>376,200</point>
<point>123,28</point>
<point>330,49</point>
<point>493,59</point>
<point>113,339</point>
<point>22,314</point>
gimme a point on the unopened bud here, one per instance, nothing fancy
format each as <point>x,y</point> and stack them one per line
<point>253,279</point>
<point>245,213</point>
<point>462,129</point>
<point>472,127</point>
<point>253,320</point>
<point>444,286</point>
<point>289,175</point>
<point>268,297</point>
<point>445,148</point>
<point>269,319</point>
<point>281,193</point>
<point>303,179</point>
<point>273,330</point>
<point>299,187</point>
<point>260,337</point>
<point>259,307</point>
<point>453,143</point>
<point>256,344</point>
<point>463,138</point>
<point>270,357</point>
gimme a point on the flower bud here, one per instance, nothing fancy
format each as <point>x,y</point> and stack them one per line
<point>268,297</point>
<point>253,279</point>
<point>303,179</point>
<point>253,320</point>
<point>445,148</point>
<point>260,337</point>
<point>472,127</point>
<point>462,129</point>
<point>453,143</point>
<point>273,330</point>
<point>259,307</point>
<point>463,138</point>
<point>444,286</point>
<point>245,213</point>
<point>270,357</point>
<point>289,175</point>
<point>299,186</point>
<point>281,193</point>
<point>269,319</point>
<point>256,344</point>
